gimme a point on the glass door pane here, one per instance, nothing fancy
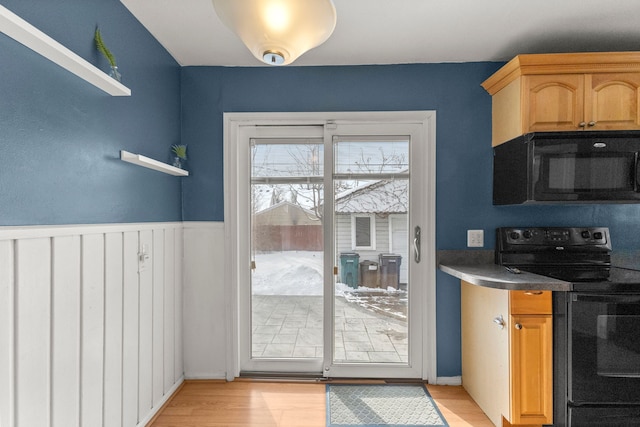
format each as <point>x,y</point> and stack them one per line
<point>371,290</point>
<point>286,252</point>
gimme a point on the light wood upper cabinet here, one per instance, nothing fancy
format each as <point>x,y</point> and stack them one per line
<point>552,103</point>
<point>613,101</point>
<point>565,92</point>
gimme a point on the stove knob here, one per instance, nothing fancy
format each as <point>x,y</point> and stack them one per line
<point>585,234</point>
<point>514,235</point>
<point>597,235</point>
<point>526,234</point>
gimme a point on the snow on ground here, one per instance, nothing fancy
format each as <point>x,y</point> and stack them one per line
<point>288,273</point>
<point>295,273</point>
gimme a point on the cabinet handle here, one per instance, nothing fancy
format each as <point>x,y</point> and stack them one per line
<point>499,320</point>
<point>518,326</point>
<point>582,124</point>
<point>533,293</point>
<point>592,123</point>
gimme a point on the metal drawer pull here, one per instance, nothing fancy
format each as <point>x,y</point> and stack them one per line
<point>518,326</point>
<point>533,293</point>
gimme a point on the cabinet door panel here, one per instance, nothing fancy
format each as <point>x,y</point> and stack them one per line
<point>553,102</point>
<point>485,348</point>
<point>531,369</point>
<point>612,101</point>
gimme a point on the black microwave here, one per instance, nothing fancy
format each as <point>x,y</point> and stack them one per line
<point>568,167</point>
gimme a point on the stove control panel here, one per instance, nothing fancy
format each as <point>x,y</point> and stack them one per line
<point>553,236</point>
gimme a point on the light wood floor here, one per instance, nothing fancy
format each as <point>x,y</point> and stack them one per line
<point>284,404</point>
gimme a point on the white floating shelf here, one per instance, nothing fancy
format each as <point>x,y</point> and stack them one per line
<point>25,33</point>
<point>146,162</point>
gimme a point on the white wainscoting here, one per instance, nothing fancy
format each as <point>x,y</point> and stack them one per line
<point>205,321</point>
<point>89,335</point>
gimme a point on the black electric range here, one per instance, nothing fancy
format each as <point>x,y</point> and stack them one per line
<point>580,255</point>
<point>595,325</point>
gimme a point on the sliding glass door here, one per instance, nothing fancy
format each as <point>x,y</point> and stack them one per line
<point>329,229</point>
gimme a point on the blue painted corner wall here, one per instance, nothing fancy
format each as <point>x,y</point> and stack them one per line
<point>61,137</point>
<point>463,152</point>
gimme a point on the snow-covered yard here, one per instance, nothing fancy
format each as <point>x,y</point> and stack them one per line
<point>300,273</point>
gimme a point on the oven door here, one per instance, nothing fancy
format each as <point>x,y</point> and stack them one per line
<point>604,349</point>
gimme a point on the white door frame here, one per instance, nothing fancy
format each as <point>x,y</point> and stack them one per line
<point>236,241</point>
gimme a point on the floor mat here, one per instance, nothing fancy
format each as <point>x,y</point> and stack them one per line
<point>373,405</point>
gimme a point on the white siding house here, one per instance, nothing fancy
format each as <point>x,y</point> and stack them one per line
<point>372,220</point>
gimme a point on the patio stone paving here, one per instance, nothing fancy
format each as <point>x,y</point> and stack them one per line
<point>291,326</point>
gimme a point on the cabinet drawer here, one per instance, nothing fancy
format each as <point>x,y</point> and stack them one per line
<point>530,302</point>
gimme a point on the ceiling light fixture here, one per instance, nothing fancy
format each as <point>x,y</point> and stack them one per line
<point>277,32</point>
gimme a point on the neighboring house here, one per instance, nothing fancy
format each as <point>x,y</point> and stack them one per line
<point>372,220</point>
<point>286,226</point>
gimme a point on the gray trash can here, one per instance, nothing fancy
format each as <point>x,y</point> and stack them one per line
<point>389,270</point>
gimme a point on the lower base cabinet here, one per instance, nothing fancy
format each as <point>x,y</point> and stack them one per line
<point>507,358</point>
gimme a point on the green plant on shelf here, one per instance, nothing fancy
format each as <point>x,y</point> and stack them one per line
<point>102,48</point>
<point>180,151</point>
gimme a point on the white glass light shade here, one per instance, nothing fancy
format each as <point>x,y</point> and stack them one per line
<point>277,32</point>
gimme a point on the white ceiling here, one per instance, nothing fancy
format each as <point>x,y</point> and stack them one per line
<point>409,31</point>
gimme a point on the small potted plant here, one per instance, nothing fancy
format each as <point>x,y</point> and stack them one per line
<point>180,154</point>
<point>107,54</point>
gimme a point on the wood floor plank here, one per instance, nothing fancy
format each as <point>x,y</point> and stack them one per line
<point>285,404</point>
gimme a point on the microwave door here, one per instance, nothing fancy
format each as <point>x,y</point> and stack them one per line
<point>587,176</point>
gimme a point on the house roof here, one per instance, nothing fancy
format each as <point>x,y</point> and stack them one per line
<point>384,196</point>
<point>286,213</point>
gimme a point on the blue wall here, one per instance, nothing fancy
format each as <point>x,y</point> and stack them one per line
<point>60,137</point>
<point>464,155</point>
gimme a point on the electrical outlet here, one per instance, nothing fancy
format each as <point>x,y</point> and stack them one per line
<point>475,238</point>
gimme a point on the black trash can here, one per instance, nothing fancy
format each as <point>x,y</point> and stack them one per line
<point>389,270</point>
<point>349,268</point>
<point>369,274</point>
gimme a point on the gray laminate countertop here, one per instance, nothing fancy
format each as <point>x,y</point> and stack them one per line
<point>496,276</point>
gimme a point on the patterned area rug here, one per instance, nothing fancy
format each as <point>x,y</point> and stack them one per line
<point>373,405</point>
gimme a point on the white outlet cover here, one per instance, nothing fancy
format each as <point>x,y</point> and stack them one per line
<point>475,238</point>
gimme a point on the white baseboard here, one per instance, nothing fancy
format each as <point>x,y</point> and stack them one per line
<point>213,376</point>
<point>449,381</point>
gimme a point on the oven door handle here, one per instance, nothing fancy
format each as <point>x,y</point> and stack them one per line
<point>608,298</point>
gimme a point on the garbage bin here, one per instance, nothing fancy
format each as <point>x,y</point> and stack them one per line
<point>389,270</point>
<point>369,274</point>
<point>349,268</point>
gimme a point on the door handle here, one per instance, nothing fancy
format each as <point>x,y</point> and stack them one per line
<point>416,244</point>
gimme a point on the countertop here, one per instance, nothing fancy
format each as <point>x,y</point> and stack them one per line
<point>496,276</point>
<point>478,268</point>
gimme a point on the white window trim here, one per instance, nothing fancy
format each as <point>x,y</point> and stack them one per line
<point>372,231</point>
